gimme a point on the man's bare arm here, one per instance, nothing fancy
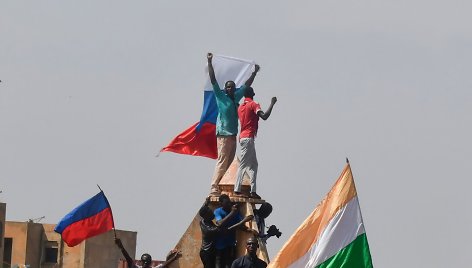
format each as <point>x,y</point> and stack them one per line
<point>253,75</point>
<point>211,71</point>
<point>128,258</point>
<point>243,221</point>
<point>266,115</point>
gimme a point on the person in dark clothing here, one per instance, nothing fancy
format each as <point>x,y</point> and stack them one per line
<point>209,234</point>
<point>259,216</point>
<point>250,260</point>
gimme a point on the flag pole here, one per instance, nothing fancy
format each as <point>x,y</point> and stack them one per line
<point>354,185</point>
<point>111,212</point>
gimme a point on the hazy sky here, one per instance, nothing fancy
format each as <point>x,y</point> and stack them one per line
<point>91,91</point>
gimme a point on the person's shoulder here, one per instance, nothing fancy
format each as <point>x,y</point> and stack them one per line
<point>243,87</point>
<point>217,89</point>
<point>239,260</point>
<point>255,105</point>
<point>261,262</point>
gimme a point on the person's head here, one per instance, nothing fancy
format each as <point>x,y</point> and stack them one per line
<point>264,210</point>
<point>230,87</point>
<point>225,202</point>
<point>251,246</point>
<point>206,213</point>
<point>146,260</point>
<point>249,92</point>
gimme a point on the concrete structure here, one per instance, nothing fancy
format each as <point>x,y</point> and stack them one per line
<point>37,245</point>
<point>191,240</point>
<point>3,208</point>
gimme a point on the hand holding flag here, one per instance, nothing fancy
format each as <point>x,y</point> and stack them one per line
<point>200,138</point>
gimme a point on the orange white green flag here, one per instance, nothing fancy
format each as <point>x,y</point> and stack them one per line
<point>332,236</point>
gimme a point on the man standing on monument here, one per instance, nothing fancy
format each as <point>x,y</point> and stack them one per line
<point>249,113</point>
<point>227,121</point>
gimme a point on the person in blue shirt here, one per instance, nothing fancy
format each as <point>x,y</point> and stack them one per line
<point>227,101</point>
<point>227,216</point>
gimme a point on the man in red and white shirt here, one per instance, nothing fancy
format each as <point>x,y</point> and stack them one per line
<point>249,113</point>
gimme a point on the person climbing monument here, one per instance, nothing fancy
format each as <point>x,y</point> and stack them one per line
<point>211,231</point>
<point>227,215</point>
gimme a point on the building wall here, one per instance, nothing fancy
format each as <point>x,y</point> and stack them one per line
<point>31,242</point>
<point>34,244</point>
<point>18,231</point>
<point>67,256</point>
<point>3,209</point>
<point>96,257</point>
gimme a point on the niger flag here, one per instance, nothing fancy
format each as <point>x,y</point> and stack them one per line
<point>332,236</point>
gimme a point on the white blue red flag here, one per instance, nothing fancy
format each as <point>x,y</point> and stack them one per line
<point>200,138</point>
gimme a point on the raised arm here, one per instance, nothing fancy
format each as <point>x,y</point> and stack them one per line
<point>253,75</point>
<point>243,221</point>
<point>240,225</point>
<point>267,113</point>
<point>211,71</point>
<point>129,260</point>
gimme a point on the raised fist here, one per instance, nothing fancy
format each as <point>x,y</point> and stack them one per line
<point>257,68</point>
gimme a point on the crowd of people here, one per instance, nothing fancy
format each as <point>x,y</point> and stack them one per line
<point>219,234</point>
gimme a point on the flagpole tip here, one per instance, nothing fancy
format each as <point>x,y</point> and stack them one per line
<point>347,160</point>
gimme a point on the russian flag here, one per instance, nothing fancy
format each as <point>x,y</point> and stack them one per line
<point>91,218</point>
<point>200,138</point>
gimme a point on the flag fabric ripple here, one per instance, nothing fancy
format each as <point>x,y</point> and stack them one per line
<point>91,218</point>
<point>332,236</point>
<point>200,138</point>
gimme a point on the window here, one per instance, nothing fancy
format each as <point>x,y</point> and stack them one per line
<point>8,243</point>
<point>1,233</point>
<point>50,252</point>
